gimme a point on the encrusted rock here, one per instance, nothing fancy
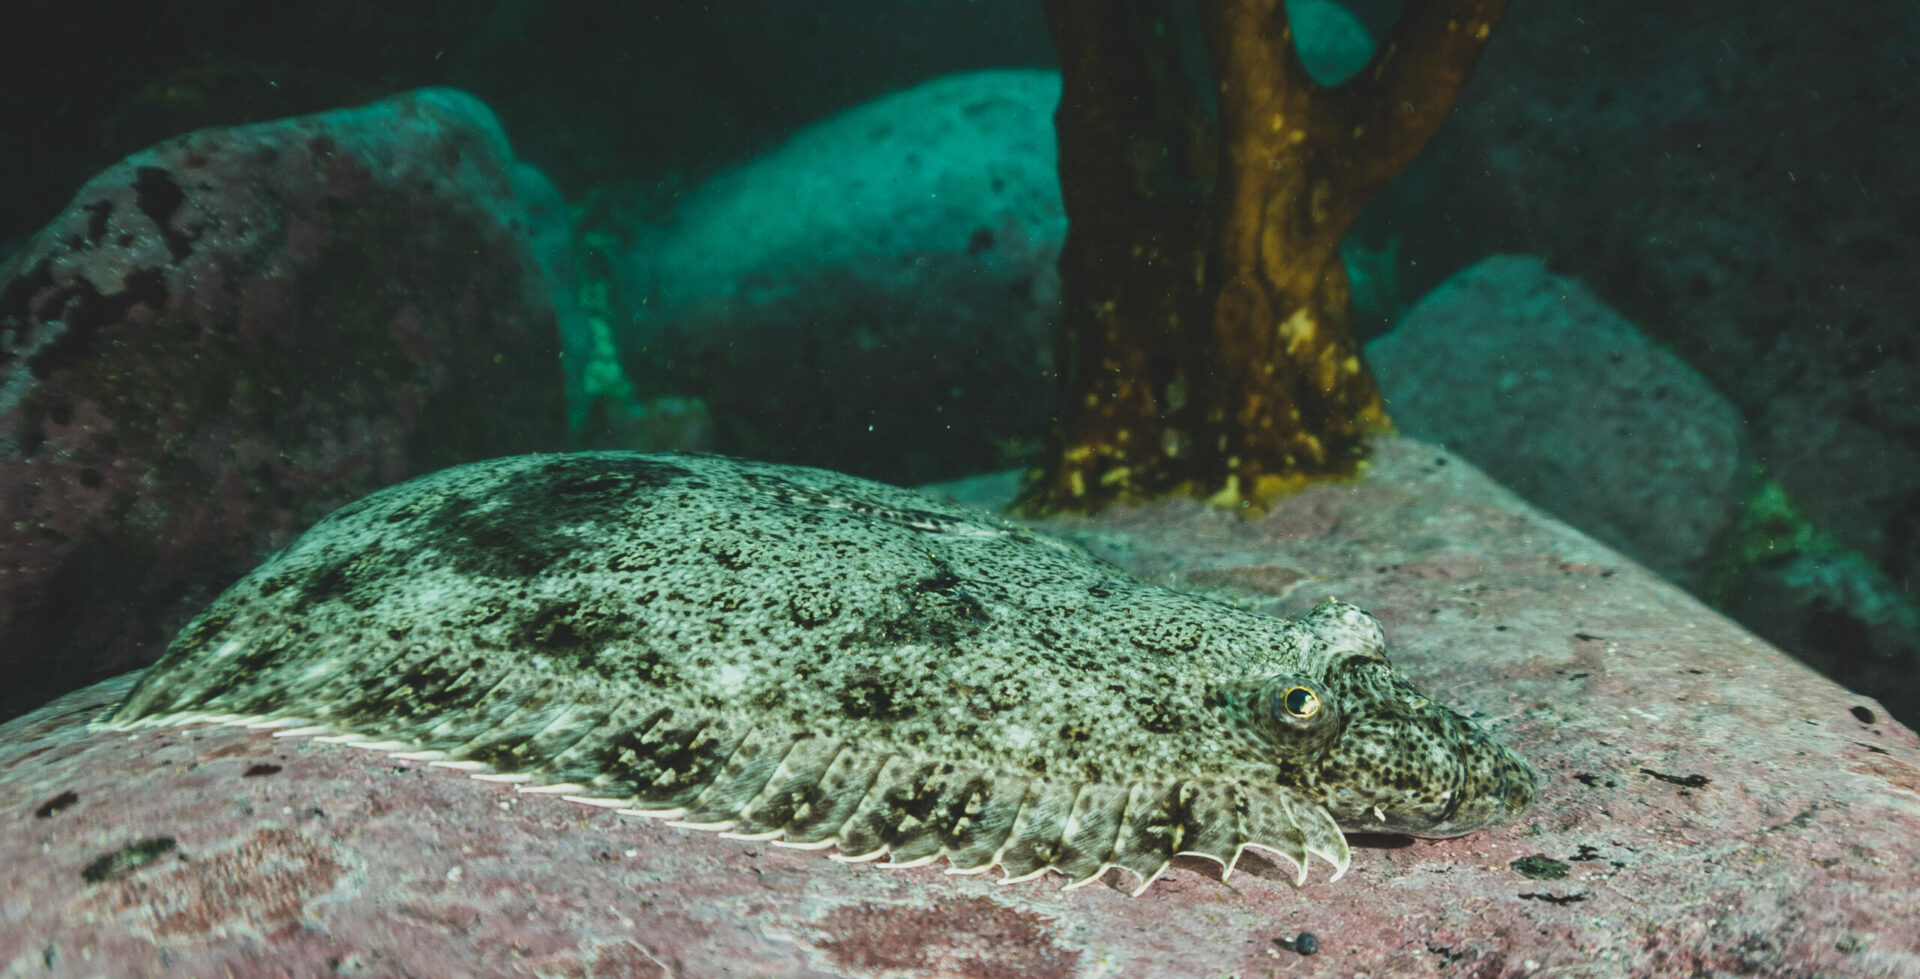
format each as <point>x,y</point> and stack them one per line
<point>229,334</point>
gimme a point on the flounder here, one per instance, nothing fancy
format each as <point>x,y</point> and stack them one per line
<point>795,655</point>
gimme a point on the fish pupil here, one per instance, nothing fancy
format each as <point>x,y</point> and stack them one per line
<point>1300,702</point>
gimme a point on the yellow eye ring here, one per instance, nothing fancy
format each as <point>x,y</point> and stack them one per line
<point>1300,702</point>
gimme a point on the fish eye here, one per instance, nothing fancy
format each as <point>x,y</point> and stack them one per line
<point>1294,705</point>
<point>1300,703</point>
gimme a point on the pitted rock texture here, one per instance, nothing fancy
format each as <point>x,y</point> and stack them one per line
<point>1714,807</point>
<point>229,334</point>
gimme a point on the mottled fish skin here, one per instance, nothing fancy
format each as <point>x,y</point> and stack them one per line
<point>791,654</point>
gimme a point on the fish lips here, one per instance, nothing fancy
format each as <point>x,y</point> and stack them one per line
<point>1492,786</point>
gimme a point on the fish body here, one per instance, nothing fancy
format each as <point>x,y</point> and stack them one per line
<point>784,653</point>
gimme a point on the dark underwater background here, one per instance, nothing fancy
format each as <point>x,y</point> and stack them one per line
<point>1657,274</point>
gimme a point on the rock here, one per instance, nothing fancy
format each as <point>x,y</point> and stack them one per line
<point>828,300</point>
<point>1733,178</point>
<point>229,334</point>
<point>1711,806</point>
<point>1560,399</point>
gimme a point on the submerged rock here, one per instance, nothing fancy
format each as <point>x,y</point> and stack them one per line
<point>1714,806</point>
<point>227,335</point>
<point>876,295</point>
<point>1562,400</point>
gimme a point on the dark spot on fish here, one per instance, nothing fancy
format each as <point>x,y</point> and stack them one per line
<point>1156,718</point>
<point>357,579</point>
<point>728,556</point>
<point>531,520</point>
<point>1864,715</point>
<point>53,806</point>
<point>1165,638</point>
<point>639,558</point>
<point>128,859</point>
<point>561,628</point>
<point>419,691</point>
<point>940,583</point>
<point>255,771</point>
<point>199,631</point>
<point>666,762</point>
<point>870,697</point>
<point>810,608</point>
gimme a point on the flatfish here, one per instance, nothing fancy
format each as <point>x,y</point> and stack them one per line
<point>789,654</point>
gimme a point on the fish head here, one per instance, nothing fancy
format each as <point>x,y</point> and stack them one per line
<point>1353,734</point>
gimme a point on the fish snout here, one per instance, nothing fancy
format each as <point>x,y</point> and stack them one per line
<point>1495,787</point>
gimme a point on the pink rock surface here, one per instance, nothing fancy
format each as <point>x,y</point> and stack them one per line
<point>1717,809</point>
<point>229,334</point>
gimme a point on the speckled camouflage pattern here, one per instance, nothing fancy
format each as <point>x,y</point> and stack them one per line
<point>797,655</point>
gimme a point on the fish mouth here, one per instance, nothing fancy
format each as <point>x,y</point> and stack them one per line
<point>1493,801</point>
<point>1495,791</point>
<point>1454,799</point>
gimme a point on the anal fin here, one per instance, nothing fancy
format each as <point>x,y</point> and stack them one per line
<point>984,809</point>
<point>1087,842</point>
<point>739,781</point>
<point>818,820</point>
<point>1034,842</point>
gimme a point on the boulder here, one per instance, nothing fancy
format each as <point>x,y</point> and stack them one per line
<point>1710,807</point>
<point>1563,401</point>
<point>876,295</point>
<point>229,334</point>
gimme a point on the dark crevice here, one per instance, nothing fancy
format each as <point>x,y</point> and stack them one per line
<point>159,197</point>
